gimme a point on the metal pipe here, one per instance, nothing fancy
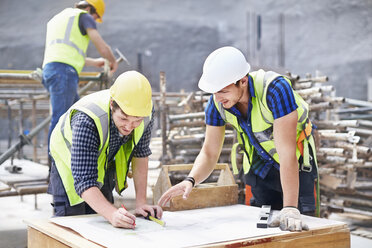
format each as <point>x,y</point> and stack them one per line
<point>20,125</point>
<point>10,123</point>
<point>358,102</point>
<point>26,139</point>
<point>163,116</point>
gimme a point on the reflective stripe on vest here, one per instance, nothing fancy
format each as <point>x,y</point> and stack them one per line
<point>96,106</point>
<point>262,120</point>
<point>70,46</point>
<point>66,38</point>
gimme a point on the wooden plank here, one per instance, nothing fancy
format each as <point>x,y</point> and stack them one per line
<point>5,188</point>
<point>37,239</point>
<point>206,197</point>
<point>32,189</point>
<point>226,177</point>
<point>223,192</point>
<point>161,185</point>
<point>332,237</point>
<point>24,77</point>
<point>43,233</point>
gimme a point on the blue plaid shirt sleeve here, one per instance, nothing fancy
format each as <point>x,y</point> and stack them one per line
<point>143,147</point>
<point>84,152</point>
<point>212,116</point>
<point>280,98</point>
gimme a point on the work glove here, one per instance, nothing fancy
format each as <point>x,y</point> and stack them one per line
<point>289,219</point>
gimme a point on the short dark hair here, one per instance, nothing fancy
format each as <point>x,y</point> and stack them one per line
<point>115,105</point>
<point>238,82</point>
<point>81,5</point>
<point>84,4</point>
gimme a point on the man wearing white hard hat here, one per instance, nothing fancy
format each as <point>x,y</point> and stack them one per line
<point>274,134</point>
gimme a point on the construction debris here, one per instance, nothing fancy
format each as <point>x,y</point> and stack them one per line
<point>343,135</point>
<point>344,147</point>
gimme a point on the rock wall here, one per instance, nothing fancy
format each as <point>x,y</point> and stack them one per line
<point>332,36</point>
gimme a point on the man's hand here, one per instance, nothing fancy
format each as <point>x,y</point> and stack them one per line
<point>144,209</point>
<point>123,218</point>
<point>183,188</point>
<point>113,67</point>
<point>96,62</point>
<point>289,219</point>
<point>103,49</point>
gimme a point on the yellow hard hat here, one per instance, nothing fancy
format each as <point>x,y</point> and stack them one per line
<point>99,5</point>
<point>132,92</point>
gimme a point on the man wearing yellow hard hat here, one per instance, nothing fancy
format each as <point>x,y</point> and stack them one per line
<point>96,143</point>
<point>67,38</point>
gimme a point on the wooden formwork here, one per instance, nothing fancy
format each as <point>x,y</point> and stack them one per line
<point>220,193</point>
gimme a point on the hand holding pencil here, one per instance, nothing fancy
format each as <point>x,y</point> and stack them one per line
<point>123,218</point>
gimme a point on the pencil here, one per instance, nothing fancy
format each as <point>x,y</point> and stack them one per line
<point>122,205</point>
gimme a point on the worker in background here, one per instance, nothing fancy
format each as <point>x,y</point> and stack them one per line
<point>92,147</point>
<point>273,131</point>
<point>67,39</point>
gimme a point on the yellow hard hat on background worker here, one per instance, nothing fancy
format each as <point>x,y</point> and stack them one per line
<point>132,92</point>
<point>99,5</point>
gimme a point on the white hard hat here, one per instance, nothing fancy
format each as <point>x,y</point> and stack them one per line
<point>224,66</point>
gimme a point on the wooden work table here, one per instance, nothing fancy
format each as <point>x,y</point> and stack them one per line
<point>43,233</point>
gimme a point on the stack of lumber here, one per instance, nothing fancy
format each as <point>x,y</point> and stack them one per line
<point>344,146</point>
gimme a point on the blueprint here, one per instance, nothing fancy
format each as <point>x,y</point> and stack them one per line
<point>182,228</point>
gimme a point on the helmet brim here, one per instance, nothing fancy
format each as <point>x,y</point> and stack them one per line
<point>213,87</point>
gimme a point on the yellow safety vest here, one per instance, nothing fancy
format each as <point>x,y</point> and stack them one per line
<point>64,41</point>
<point>96,106</point>
<point>262,123</point>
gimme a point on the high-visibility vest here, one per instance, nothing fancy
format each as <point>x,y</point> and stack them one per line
<point>64,41</point>
<point>262,121</point>
<point>262,124</point>
<point>97,107</point>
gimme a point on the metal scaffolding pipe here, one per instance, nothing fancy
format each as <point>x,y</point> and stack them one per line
<point>26,139</point>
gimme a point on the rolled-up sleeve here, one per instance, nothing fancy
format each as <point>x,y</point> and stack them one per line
<point>212,116</point>
<point>84,152</point>
<point>280,98</point>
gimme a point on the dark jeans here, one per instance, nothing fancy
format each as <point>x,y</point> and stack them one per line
<point>61,204</point>
<point>61,81</point>
<point>268,191</point>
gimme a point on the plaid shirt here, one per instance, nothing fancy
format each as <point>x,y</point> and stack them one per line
<point>85,147</point>
<point>280,100</point>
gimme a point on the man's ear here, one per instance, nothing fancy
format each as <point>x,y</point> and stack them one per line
<point>111,107</point>
<point>244,81</point>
